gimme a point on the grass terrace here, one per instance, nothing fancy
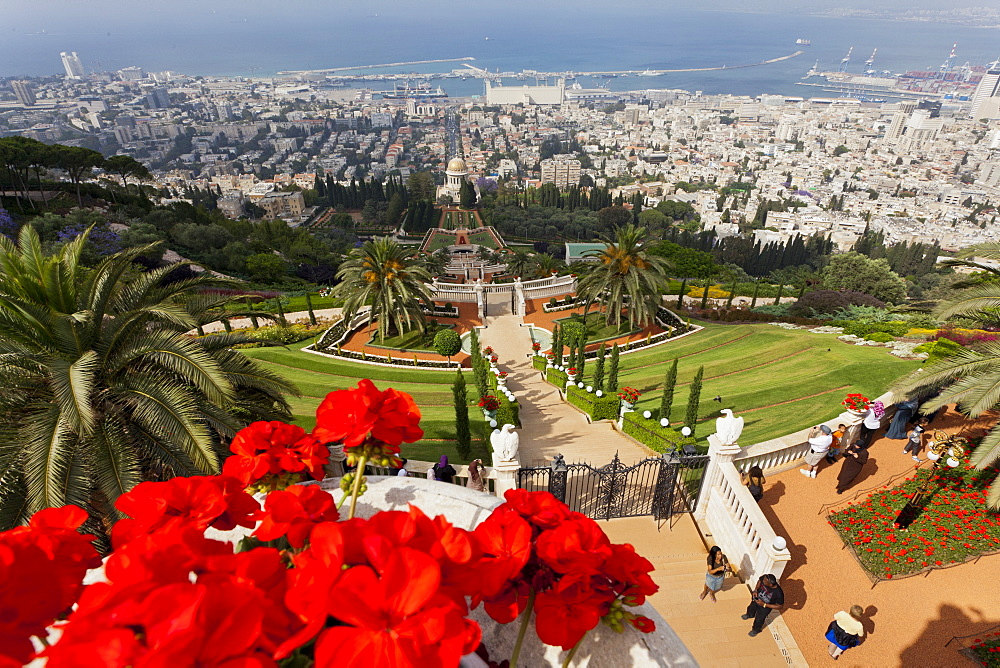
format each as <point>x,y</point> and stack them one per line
<point>315,376</point>
<point>779,380</point>
<point>597,328</point>
<point>414,339</point>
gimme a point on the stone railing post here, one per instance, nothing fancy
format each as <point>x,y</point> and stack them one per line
<point>335,465</point>
<point>772,558</point>
<point>717,454</point>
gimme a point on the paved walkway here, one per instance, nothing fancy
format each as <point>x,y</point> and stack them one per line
<point>909,621</point>
<point>549,426</point>
<point>713,632</point>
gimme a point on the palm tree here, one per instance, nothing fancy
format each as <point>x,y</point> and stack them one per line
<point>970,378</point>
<point>520,263</point>
<point>437,262</point>
<point>546,265</point>
<point>626,274</point>
<point>390,278</point>
<point>102,388</point>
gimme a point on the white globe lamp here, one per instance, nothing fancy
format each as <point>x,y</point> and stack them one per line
<point>686,431</point>
<point>664,422</point>
<point>647,414</point>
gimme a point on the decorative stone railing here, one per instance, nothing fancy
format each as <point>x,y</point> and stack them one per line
<point>734,520</point>
<point>787,451</point>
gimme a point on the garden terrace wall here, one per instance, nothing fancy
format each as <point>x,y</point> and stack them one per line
<point>598,408</point>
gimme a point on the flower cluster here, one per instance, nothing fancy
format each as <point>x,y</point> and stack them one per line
<point>571,371</point>
<point>42,567</point>
<point>987,649</point>
<point>539,554</point>
<point>273,455</point>
<point>326,291</point>
<point>388,591</point>
<point>630,394</point>
<point>955,524</point>
<point>494,359</point>
<point>856,402</point>
<point>878,408</point>
<point>488,351</point>
<point>489,402</point>
<point>502,375</point>
<point>536,346</point>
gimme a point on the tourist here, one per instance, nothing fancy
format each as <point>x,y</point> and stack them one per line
<point>475,477</point>
<point>855,458</point>
<point>716,573</point>
<point>915,439</point>
<point>845,631</point>
<point>872,422</point>
<point>766,596</point>
<point>831,456</point>
<point>820,440</point>
<point>754,480</point>
<point>402,467</point>
<point>443,471</point>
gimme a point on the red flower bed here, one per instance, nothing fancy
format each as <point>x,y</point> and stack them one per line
<point>987,650</point>
<point>307,588</point>
<point>954,525</point>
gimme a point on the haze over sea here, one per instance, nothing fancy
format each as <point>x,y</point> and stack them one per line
<point>231,38</point>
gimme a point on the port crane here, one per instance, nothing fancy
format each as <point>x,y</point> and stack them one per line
<point>950,60</point>
<point>846,60</point>
<point>869,70</point>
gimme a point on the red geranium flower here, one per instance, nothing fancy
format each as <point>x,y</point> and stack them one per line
<point>350,416</point>
<point>294,512</point>
<point>276,454</point>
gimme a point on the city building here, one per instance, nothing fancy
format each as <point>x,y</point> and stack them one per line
<point>23,93</point>
<point>71,62</point>
<point>986,100</point>
<point>561,170</point>
<point>131,74</point>
<point>282,204</point>
<point>525,94</point>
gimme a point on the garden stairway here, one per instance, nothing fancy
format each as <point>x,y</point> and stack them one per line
<point>550,426</point>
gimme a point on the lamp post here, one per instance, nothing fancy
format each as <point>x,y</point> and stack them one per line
<point>947,449</point>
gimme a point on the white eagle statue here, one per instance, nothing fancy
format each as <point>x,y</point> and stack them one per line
<point>505,443</point>
<point>728,428</point>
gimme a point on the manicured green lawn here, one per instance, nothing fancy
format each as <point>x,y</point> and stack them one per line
<point>779,380</point>
<point>314,376</point>
<point>411,340</point>
<point>597,329</point>
<point>439,241</point>
<point>483,239</point>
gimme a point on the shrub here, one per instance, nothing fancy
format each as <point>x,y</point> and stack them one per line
<point>447,342</point>
<point>922,321</point>
<point>652,435</point>
<point>880,337</point>
<point>284,335</point>
<point>938,350</point>
<point>448,306</point>
<point>556,377</point>
<point>538,362</point>
<point>509,412</point>
<point>598,408</point>
<point>967,337</point>
<point>778,310</point>
<point>552,301</point>
<point>866,329</point>
<point>824,303</point>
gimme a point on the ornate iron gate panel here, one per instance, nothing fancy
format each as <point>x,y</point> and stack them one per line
<point>658,486</point>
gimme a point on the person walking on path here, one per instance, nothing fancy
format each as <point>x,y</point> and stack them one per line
<point>915,439</point>
<point>475,478</point>
<point>444,471</point>
<point>754,480</point>
<point>845,631</point>
<point>855,458</point>
<point>820,440</point>
<point>716,573</point>
<point>766,596</point>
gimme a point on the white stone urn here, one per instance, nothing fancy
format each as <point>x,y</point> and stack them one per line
<point>466,508</point>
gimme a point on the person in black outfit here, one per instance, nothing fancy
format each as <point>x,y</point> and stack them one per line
<point>444,471</point>
<point>767,596</point>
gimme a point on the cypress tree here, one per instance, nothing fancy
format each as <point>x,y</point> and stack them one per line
<point>557,346</point>
<point>572,355</point>
<point>227,325</point>
<point>281,313</point>
<point>704,295</point>
<point>781,289</point>
<point>669,383</point>
<point>309,306</point>
<point>599,369</point>
<point>253,318</point>
<point>680,295</point>
<point>581,355</point>
<point>613,370</point>
<point>462,436</point>
<point>732,294</point>
<point>756,289</point>
<point>695,395</point>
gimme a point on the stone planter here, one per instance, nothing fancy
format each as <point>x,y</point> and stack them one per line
<point>466,508</point>
<point>489,415</point>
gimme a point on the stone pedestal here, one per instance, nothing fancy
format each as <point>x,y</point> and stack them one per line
<point>717,453</point>
<point>506,473</point>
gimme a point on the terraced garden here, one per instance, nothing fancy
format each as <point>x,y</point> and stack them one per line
<point>779,380</point>
<point>315,376</point>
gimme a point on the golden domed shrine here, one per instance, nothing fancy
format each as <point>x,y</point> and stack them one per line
<point>456,172</point>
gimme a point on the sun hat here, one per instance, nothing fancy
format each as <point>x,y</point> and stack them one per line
<point>825,429</point>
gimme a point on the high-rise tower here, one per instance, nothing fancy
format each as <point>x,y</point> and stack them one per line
<point>71,61</point>
<point>23,92</point>
<point>986,100</point>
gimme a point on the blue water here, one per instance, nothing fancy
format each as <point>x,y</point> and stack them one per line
<point>240,38</point>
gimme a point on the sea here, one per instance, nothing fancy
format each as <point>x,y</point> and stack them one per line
<point>241,40</point>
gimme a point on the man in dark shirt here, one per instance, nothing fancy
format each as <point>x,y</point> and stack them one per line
<point>767,596</point>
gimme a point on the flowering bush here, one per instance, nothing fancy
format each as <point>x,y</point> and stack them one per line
<point>987,650</point>
<point>502,375</point>
<point>856,402</point>
<point>326,291</point>
<point>273,455</point>
<point>488,351</point>
<point>571,371</point>
<point>494,359</point>
<point>954,525</point>
<point>630,394</point>
<point>536,346</point>
<point>489,402</point>
<point>966,337</point>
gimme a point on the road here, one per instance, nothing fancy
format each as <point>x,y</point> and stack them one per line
<point>453,132</point>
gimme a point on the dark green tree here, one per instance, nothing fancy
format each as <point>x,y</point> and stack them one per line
<point>613,370</point>
<point>669,383</point>
<point>599,369</point>
<point>691,419</point>
<point>466,195</point>
<point>680,294</point>
<point>447,342</point>
<point>557,346</point>
<point>309,307</point>
<point>581,357</point>
<point>463,439</point>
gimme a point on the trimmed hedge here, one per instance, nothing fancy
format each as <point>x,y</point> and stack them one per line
<point>653,436</point>
<point>556,377</point>
<point>508,413</point>
<point>539,362</point>
<point>598,408</point>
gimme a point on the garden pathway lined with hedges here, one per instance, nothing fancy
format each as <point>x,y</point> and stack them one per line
<point>909,620</point>
<point>550,426</point>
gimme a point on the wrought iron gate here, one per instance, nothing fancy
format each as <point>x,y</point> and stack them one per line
<point>658,486</point>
